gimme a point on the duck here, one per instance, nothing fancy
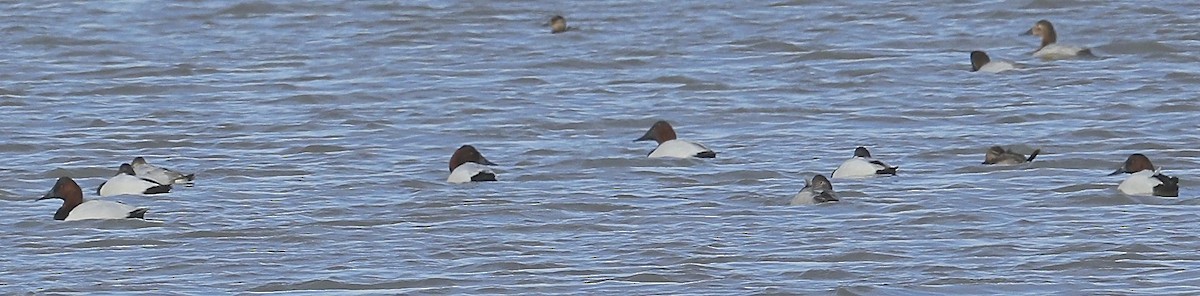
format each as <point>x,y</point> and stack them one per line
<point>160,175</point>
<point>1050,48</point>
<point>1144,179</point>
<point>862,165</point>
<point>558,24</point>
<point>816,190</point>
<point>76,208</point>
<point>468,165</point>
<point>998,155</point>
<point>669,146</point>
<point>980,62</point>
<point>125,182</point>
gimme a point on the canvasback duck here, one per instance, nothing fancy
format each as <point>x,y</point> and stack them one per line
<point>558,24</point>
<point>998,155</point>
<point>1145,179</point>
<point>817,189</point>
<point>668,146</point>
<point>468,165</point>
<point>125,182</point>
<point>1050,48</point>
<point>862,165</point>
<point>161,175</point>
<point>980,62</point>
<point>75,208</point>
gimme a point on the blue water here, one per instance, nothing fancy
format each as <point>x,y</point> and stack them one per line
<point>320,134</point>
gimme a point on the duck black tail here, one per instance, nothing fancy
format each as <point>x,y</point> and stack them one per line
<point>1168,188</point>
<point>887,171</point>
<point>1033,155</point>
<point>138,213</point>
<point>158,189</point>
<point>483,176</point>
<point>1087,52</point>
<point>706,154</point>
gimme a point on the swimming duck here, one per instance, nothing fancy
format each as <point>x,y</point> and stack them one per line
<point>998,155</point>
<point>669,146</point>
<point>160,175</point>
<point>468,165</point>
<point>558,24</point>
<point>982,63</point>
<point>862,165</point>
<point>1144,179</point>
<point>1050,48</point>
<point>75,208</point>
<point>817,189</point>
<point>124,182</point>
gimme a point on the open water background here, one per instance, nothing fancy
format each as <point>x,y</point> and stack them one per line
<point>320,133</point>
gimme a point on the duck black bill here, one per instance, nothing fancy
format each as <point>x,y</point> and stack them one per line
<point>1118,172</point>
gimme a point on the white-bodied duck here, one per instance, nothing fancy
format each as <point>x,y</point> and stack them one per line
<point>669,146</point>
<point>980,62</point>
<point>1145,179</point>
<point>468,165</point>
<point>125,182</point>
<point>160,175</point>
<point>75,208</point>
<point>862,165</point>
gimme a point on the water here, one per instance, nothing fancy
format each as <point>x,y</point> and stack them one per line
<point>320,133</point>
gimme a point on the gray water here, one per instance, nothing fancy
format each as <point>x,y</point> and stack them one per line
<point>320,133</point>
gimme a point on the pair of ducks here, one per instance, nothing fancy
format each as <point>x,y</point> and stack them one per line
<point>1050,49</point>
<point>138,178</point>
<point>818,189</point>
<point>141,177</point>
<point>468,165</point>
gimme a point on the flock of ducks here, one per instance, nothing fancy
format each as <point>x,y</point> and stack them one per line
<point>138,178</point>
<point>467,164</point>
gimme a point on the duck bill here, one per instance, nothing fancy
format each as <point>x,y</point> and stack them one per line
<point>1118,172</point>
<point>49,195</point>
<point>1026,33</point>
<point>485,161</point>
<point>649,136</point>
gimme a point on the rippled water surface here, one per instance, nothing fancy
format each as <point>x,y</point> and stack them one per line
<point>320,133</point>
